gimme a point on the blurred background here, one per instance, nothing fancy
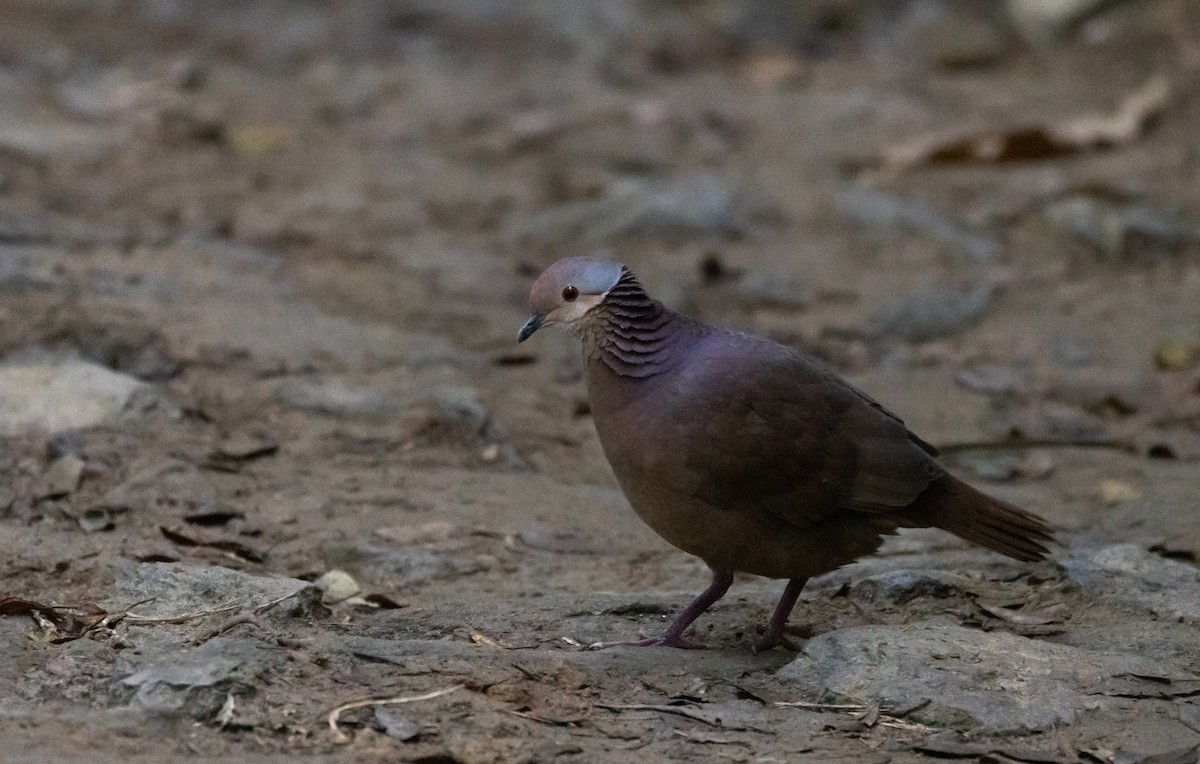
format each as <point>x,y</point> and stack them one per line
<point>262,264</point>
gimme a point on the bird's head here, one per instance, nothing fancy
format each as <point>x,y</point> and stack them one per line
<point>567,291</point>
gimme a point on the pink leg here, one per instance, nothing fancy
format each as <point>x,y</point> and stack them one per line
<point>774,636</point>
<point>673,636</point>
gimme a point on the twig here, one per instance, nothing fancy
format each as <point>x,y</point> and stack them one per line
<point>683,711</point>
<point>178,619</point>
<point>819,706</point>
<point>335,714</point>
<point>268,605</point>
<point>238,620</point>
<point>547,720</point>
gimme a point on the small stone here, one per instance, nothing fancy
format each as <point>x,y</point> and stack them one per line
<point>68,395</point>
<point>95,520</point>
<point>62,477</point>
<point>880,210</point>
<point>933,313</point>
<point>338,586</point>
<point>900,586</point>
<point>334,397</point>
<point>1114,492</point>
<point>257,139</point>
<point>396,726</point>
<point>1123,231</point>
<point>1176,355</point>
<point>57,140</point>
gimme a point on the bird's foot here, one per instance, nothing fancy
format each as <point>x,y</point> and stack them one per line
<point>780,638</point>
<point>661,640</point>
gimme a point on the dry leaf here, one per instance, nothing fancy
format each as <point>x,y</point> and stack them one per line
<point>1041,617</point>
<point>1037,142</point>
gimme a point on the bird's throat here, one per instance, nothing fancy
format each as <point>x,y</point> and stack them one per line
<point>632,334</point>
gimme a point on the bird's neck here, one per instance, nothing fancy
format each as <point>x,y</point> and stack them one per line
<point>632,334</point>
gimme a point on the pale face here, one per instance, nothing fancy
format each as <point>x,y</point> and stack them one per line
<point>567,291</point>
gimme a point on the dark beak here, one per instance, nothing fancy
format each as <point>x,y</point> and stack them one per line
<point>532,325</point>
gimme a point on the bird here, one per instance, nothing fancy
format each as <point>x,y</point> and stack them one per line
<point>750,454</point>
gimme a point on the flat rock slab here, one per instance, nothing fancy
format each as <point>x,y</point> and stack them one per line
<point>175,590</point>
<point>194,681</point>
<point>69,395</point>
<point>1134,577</point>
<point>959,678</point>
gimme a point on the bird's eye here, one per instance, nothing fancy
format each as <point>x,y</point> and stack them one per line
<point>570,293</point>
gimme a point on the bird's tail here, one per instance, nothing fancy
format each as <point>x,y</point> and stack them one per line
<point>952,505</point>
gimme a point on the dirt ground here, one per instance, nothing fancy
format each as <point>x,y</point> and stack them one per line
<point>262,265</point>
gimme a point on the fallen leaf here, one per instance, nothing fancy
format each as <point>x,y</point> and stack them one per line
<point>1037,142</point>
<point>483,639</point>
<point>60,623</point>
<point>1043,617</point>
<point>235,549</point>
<point>213,516</point>
<point>236,450</point>
<point>225,715</point>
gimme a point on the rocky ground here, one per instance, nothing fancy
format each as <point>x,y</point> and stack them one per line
<point>268,449</point>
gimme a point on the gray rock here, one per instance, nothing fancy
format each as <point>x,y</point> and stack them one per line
<point>56,140</point>
<point>69,395</point>
<point>334,397</point>
<point>1120,230</point>
<point>1136,578</point>
<point>459,407</point>
<point>24,270</point>
<point>411,565</point>
<point>160,481</point>
<point>194,682</point>
<point>396,725</point>
<point>694,205</point>
<point>950,676</point>
<point>62,476</point>
<point>904,585</point>
<point>455,412</point>
<point>951,34</point>
<point>933,313</point>
<point>1042,21</point>
<point>877,209</point>
<point>180,589</point>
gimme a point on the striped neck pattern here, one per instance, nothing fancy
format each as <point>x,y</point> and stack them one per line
<point>633,334</point>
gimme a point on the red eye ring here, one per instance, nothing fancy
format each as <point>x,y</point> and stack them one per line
<point>570,293</point>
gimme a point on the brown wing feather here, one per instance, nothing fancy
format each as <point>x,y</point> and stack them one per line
<point>795,441</point>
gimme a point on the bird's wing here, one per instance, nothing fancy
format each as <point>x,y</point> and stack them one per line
<point>775,432</point>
